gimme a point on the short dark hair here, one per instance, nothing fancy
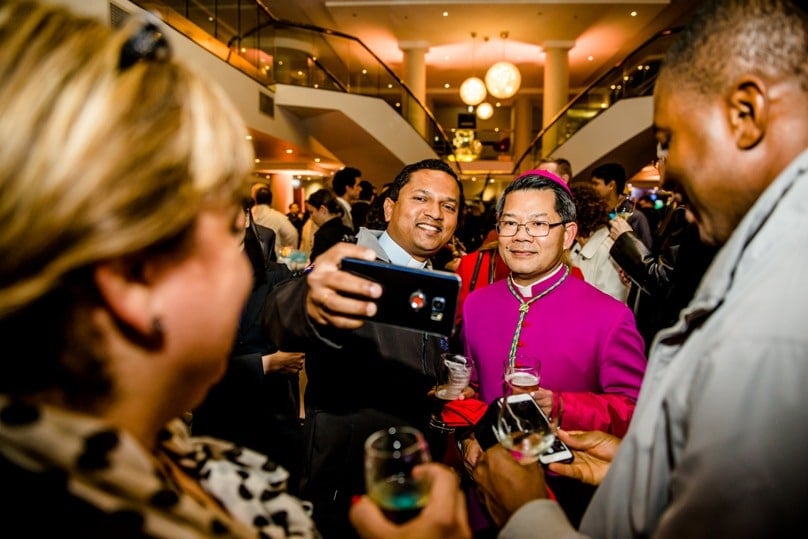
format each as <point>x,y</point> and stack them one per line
<point>263,195</point>
<point>344,178</point>
<point>564,205</point>
<point>611,172</point>
<point>564,167</point>
<point>365,190</point>
<point>729,37</point>
<point>403,177</point>
<point>375,218</point>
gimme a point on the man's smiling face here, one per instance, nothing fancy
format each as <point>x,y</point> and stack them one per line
<point>424,217</point>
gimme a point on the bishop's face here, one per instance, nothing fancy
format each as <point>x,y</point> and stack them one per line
<point>530,258</point>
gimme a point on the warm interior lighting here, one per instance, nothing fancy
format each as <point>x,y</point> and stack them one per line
<point>472,91</point>
<point>485,111</point>
<point>503,80</point>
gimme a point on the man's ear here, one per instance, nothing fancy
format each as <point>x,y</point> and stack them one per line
<point>748,111</point>
<point>126,293</point>
<point>388,208</point>
<point>570,232</point>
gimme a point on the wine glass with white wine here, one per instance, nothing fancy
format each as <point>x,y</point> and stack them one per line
<point>390,456</point>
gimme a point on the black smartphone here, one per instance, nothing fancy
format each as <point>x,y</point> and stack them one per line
<point>484,429</point>
<point>423,300</point>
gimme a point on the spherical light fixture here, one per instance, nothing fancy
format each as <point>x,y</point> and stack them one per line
<point>485,111</point>
<point>503,80</point>
<point>472,91</point>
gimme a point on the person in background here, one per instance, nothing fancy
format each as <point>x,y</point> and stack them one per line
<point>265,215</point>
<point>558,166</point>
<point>364,376</point>
<point>117,312</point>
<point>609,180</point>
<point>705,456</point>
<point>585,343</point>
<point>375,218</point>
<point>307,234</point>
<point>298,218</point>
<point>256,404</point>
<point>361,206</point>
<point>590,252</point>
<point>663,281</point>
<point>326,213</point>
<point>652,206</point>
<point>345,184</point>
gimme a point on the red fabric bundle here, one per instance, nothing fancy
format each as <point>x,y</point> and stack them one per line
<point>463,412</point>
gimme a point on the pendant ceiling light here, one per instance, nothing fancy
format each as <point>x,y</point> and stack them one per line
<point>472,90</point>
<point>485,111</point>
<point>503,78</point>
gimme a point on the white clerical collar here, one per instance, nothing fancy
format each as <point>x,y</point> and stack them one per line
<point>527,290</point>
<point>397,254</point>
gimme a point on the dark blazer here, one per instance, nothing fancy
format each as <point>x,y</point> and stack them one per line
<point>329,234</point>
<point>359,381</point>
<point>662,283</point>
<point>250,408</point>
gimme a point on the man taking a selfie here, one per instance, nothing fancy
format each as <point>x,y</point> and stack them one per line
<point>364,376</point>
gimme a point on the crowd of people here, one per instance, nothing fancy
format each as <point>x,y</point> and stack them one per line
<point>153,342</point>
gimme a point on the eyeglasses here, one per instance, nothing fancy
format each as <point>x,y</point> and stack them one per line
<point>537,229</point>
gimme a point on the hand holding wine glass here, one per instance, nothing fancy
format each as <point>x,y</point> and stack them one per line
<point>390,456</point>
<point>443,517</point>
<point>454,373</point>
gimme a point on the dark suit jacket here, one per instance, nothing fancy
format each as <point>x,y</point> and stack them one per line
<point>253,409</point>
<point>359,381</point>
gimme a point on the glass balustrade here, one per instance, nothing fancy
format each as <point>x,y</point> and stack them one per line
<point>274,51</point>
<point>633,77</point>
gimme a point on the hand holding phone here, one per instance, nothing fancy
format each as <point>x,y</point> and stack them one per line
<point>525,408</point>
<point>329,299</point>
<point>419,299</point>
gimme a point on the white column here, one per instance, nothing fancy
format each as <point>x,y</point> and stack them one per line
<point>415,79</point>
<point>522,123</point>
<point>556,88</point>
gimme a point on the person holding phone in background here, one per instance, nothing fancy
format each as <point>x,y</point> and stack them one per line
<point>363,376</point>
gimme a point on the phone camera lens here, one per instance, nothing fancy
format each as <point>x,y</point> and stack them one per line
<point>438,304</point>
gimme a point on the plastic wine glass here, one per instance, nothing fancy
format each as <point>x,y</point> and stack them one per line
<point>454,374</point>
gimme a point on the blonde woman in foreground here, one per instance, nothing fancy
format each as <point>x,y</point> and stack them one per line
<point>121,284</point>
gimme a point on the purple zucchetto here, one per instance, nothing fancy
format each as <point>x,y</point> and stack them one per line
<point>549,175</point>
